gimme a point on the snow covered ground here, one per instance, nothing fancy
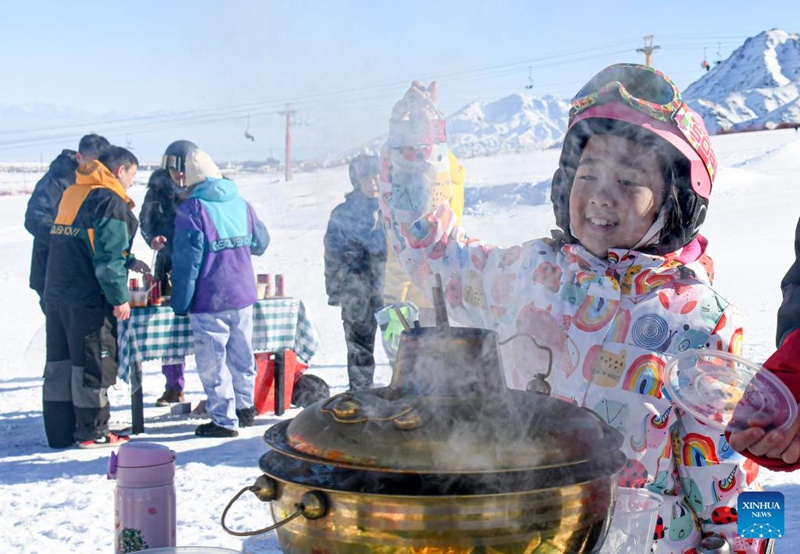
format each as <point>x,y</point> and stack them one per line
<point>60,501</point>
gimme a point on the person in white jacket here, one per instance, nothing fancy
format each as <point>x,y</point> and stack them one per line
<point>616,292</point>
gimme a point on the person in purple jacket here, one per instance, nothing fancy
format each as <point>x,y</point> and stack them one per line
<point>216,231</point>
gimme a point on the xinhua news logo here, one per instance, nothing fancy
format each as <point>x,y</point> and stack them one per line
<point>761,515</point>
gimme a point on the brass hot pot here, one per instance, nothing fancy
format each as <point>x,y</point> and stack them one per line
<point>445,459</point>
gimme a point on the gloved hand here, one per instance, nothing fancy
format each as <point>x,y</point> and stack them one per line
<point>416,119</point>
<point>392,321</point>
<point>415,170</point>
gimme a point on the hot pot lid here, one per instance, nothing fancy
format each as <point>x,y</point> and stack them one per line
<point>376,430</point>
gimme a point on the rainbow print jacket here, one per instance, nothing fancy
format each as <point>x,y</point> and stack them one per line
<point>612,324</point>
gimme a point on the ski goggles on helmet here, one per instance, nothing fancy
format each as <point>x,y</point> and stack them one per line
<point>641,87</point>
<point>170,161</point>
<point>650,92</point>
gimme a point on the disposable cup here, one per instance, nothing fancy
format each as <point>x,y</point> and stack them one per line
<point>633,522</point>
<point>139,298</point>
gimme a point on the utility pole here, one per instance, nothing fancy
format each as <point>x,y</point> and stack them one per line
<point>648,49</point>
<point>289,112</point>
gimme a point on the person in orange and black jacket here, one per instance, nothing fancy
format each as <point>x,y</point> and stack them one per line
<point>86,292</point>
<point>43,203</point>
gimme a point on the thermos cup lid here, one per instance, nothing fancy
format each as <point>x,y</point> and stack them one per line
<point>144,454</point>
<point>142,464</point>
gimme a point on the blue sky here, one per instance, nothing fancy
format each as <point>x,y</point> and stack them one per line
<point>234,65</point>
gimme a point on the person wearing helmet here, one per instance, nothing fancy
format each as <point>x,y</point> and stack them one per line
<point>611,297</point>
<point>355,257</point>
<point>165,190</point>
<point>174,159</point>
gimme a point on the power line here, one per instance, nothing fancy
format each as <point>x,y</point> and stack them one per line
<point>327,100</point>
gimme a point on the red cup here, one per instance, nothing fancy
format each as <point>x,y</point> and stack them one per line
<point>279,284</point>
<point>155,294</point>
<point>262,285</point>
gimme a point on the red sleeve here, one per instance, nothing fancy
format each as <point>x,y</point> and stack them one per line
<point>785,364</point>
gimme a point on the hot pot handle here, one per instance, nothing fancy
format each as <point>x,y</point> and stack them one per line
<point>312,505</point>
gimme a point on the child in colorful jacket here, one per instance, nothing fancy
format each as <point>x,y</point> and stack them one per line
<point>216,232</point>
<point>615,293</point>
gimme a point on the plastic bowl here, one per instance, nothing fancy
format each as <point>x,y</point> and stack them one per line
<point>729,392</point>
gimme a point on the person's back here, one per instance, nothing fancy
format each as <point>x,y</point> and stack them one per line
<point>216,232</point>
<point>228,226</point>
<point>43,204</point>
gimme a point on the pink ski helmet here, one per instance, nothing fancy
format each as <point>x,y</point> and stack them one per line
<point>639,102</point>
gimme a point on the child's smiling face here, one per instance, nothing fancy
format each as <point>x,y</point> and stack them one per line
<point>616,195</point>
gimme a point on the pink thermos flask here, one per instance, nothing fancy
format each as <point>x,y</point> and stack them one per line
<point>144,499</point>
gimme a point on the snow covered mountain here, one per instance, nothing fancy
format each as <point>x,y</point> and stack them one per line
<point>512,124</point>
<point>757,87</point>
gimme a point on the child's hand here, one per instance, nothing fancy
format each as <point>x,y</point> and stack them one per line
<point>416,119</point>
<point>418,102</point>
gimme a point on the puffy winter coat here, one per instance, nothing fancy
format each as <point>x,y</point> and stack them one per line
<point>613,325</point>
<point>42,209</point>
<point>157,217</point>
<point>216,232</point>
<point>355,257</point>
<point>90,240</point>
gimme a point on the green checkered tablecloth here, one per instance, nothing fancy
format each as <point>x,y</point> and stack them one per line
<point>157,333</point>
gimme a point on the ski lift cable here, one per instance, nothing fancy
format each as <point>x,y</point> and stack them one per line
<point>213,114</point>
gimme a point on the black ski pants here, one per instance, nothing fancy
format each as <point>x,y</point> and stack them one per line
<point>81,365</point>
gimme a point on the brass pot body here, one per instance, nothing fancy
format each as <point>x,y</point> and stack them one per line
<point>445,460</point>
<point>566,519</point>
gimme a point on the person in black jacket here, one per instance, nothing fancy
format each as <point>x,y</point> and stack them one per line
<point>43,203</point>
<point>165,190</point>
<point>86,293</point>
<point>355,258</point>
